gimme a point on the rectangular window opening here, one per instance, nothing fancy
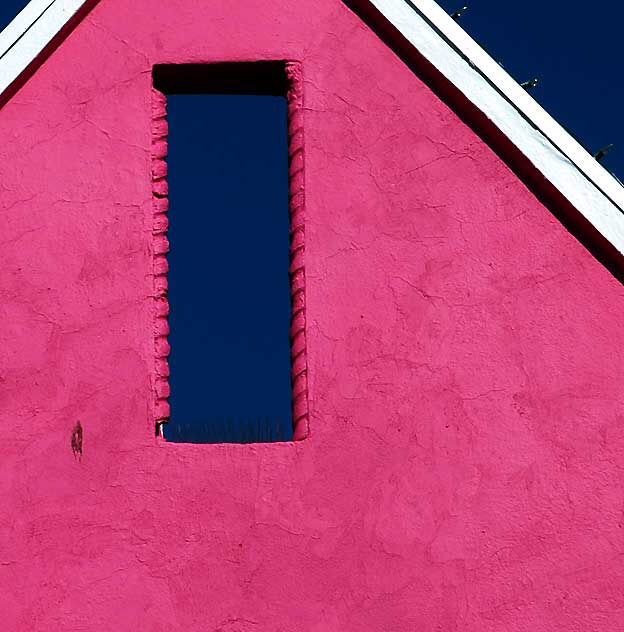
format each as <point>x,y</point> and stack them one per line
<point>228,197</point>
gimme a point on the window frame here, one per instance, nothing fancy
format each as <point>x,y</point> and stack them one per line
<point>281,77</point>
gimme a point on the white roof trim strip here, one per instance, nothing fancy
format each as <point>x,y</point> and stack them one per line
<point>591,189</point>
<point>562,160</point>
<point>29,33</point>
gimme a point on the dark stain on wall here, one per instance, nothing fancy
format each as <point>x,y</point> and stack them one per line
<point>76,440</point>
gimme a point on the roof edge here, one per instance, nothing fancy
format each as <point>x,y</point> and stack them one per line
<point>564,162</point>
<point>29,33</point>
<point>561,159</point>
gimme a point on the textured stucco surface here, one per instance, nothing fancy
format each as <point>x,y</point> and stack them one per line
<point>465,458</point>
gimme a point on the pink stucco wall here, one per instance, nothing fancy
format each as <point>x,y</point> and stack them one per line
<point>465,463</point>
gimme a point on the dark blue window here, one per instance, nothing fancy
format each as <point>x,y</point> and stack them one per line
<point>229,288</point>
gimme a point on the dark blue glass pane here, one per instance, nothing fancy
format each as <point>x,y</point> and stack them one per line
<point>229,288</point>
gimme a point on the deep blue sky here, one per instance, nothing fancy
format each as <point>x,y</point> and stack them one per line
<point>575,50</point>
<point>228,185</point>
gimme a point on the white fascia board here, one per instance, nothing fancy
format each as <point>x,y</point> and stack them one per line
<point>29,33</point>
<point>589,187</point>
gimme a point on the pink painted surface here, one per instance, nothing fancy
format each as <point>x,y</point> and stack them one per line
<point>465,463</point>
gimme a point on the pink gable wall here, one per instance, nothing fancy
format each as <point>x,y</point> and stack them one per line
<point>465,464</point>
